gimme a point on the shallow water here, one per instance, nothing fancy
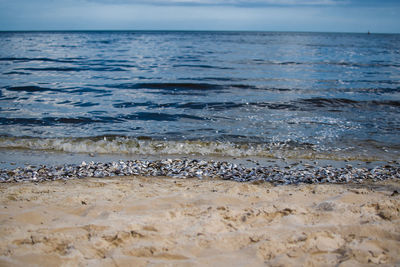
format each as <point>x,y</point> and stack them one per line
<point>236,94</point>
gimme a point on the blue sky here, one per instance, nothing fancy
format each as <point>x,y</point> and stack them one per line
<point>265,15</point>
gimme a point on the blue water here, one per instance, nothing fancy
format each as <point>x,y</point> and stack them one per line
<point>266,94</point>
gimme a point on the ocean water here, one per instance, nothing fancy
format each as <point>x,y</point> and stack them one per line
<point>224,94</point>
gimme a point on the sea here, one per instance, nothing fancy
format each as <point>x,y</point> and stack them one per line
<point>108,95</point>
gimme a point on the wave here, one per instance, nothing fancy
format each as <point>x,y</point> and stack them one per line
<point>381,86</point>
<point>30,88</point>
<point>302,104</point>
<point>42,59</point>
<point>16,73</point>
<point>167,86</point>
<point>142,116</point>
<point>154,116</point>
<point>372,64</point>
<point>188,105</point>
<point>201,66</point>
<point>307,104</point>
<point>319,102</point>
<point>82,90</point>
<point>327,63</point>
<point>50,121</point>
<point>148,146</point>
<point>332,104</point>
<point>197,88</point>
<point>74,69</point>
<point>34,88</point>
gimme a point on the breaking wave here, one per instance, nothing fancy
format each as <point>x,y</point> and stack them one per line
<point>147,146</point>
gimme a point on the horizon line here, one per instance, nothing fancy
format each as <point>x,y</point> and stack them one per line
<point>177,30</point>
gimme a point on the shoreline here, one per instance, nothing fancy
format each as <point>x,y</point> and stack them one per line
<point>135,220</point>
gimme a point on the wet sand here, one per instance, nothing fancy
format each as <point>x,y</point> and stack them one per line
<point>156,221</point>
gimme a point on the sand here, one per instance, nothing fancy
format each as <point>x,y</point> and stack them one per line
<point>155,221</point>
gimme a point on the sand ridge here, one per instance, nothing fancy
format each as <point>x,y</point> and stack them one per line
<point>156,221</point>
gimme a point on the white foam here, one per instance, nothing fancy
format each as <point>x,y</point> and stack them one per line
<point>125,145</point>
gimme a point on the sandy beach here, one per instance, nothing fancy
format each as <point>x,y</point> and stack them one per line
<point>157,221</point>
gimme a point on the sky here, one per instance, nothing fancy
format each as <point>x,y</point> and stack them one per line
<point>379,16</point>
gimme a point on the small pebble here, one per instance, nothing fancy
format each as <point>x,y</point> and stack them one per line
<point>185,168</point>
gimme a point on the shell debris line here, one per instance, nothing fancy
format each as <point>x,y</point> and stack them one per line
<point>185,168</point>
